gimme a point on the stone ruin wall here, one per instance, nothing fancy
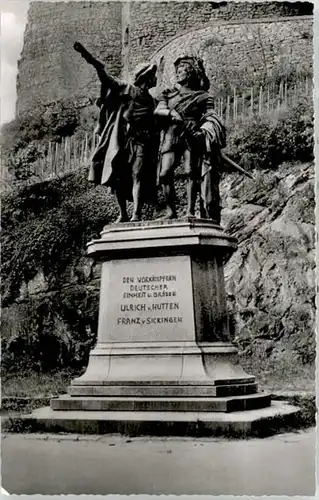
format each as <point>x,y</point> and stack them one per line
<point>49,69</point>
<point>124,35</point>
<point>153,24</point>
<point>242,53</point>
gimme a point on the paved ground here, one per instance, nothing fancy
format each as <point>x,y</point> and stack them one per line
<point>53,464</point>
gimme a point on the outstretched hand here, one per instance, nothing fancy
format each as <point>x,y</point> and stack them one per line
<point>78,47</point>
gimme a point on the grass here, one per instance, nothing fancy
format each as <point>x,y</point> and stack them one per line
<point>36,385</point>
<point>281,375</point>
<point>275,377</point>
<point>270,375</point>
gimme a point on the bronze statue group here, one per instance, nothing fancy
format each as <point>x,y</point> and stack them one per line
<point>142,140</point>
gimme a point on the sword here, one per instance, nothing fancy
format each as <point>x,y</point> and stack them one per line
<point>234,166</point>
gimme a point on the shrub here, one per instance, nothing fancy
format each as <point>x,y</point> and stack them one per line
<point>18,133</point>
<point>21,162</point>
<point>20,138</point>
<point>46,225</point>
<point>54,331</point>
<point>292,138</point>
<point>267,141</point>
<point>60,120</point>
<point>87,120</point>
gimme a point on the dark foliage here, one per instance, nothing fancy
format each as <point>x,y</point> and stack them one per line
<point>56,331</point>
<point>264,142</point>
<point>20,139</point>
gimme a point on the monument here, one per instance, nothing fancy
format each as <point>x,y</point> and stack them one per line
<point>164,362</point>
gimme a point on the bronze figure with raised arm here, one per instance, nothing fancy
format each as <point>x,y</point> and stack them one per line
<point>126,153</point>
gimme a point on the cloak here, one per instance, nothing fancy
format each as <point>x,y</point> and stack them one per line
<point>105,166</point>
<point>121,120</point>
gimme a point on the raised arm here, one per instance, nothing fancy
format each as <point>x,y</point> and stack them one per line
<point>105,79</point>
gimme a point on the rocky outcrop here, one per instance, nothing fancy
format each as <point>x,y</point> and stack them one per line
<point>271,278</point>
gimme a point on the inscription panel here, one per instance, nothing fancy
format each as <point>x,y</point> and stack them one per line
<point>146,299</point>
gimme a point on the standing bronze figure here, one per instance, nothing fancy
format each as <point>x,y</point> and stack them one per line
<point>126,153</point>
<point>193,134</point>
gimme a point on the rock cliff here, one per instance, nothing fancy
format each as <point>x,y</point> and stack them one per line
<point>271,278</point>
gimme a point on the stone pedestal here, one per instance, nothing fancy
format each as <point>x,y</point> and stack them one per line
<point>163,337</point>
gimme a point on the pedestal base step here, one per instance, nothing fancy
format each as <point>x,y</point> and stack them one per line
<point>228,404</point>
<point>279,417</point>
<point>153,390</point>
